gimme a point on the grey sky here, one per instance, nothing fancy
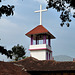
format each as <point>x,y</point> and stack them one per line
<point>13,28</point>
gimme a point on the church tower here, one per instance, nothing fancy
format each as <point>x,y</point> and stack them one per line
<point>40,51</point>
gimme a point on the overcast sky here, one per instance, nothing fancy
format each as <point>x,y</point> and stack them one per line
<point>14,28</point>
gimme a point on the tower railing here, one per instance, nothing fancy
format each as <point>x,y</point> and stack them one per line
<point>40,47</point>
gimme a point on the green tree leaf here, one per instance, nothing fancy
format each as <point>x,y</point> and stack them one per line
<point>18,52</point>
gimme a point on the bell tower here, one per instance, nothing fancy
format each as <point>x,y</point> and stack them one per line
<point>40,51</point>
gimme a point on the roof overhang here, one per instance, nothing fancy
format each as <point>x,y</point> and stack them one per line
<point>40,35</point>
<point>39,31</point>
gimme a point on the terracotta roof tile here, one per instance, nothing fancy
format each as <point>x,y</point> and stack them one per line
<point>39,30</point>
<point>8,68</point>
<point>32,64</point>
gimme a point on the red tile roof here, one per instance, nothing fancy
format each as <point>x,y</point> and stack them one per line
<point>8,68</point>
<point>39,30</point>
<point>30,64</point>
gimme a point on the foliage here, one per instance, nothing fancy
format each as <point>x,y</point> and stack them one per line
<point>6,9</point>
<point>65,7</point>
<point>18,52</point>
<point>4,51</point>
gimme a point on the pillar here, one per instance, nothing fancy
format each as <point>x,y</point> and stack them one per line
<point>49,41</point>
<point>31,39</point>
<point>44,39</point>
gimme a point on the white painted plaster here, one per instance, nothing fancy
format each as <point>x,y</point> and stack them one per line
<point>41,46</point>
<point>39,51</point>
<point>39,54</point>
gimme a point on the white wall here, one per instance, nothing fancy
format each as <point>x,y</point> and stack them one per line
<point>39,54</point>
<point>39,51</point>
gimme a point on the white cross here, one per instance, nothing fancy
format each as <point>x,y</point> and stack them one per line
<point>40,13</point>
